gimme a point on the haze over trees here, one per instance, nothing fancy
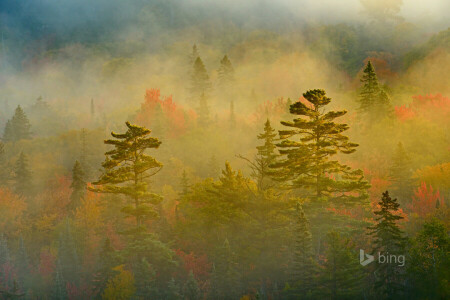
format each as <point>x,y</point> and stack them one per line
<point>204,150</point>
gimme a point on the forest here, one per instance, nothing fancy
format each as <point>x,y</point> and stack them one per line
<point>201,149</point>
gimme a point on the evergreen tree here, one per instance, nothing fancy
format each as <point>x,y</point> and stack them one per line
<point>374,102</point>
<point>203,112</point>
<point>226,73</point>
<point>191,290</point>
<point>307,162</point>
<point>4,176</point>
<point>145,280</point>
<point>200,83</point>
<point>194,55</point>
<point>20,125</point>
<point>224,278</point>
<point>266,157</point>
<point>389,239</point>
<point>108,259</point>
<point>67,255</point>
<point>429,268</point>
<point>173,291</point>
<point>232,115</point>
<point>184,182</point>
<point>303,266</point>
<point>59,291</point>
<point>8,133</point>
<point>401,174</point>
<point>127,169</point>
<point>78,186</point>
<point>342,275</point>
<point>22,177</point>
<point>22,263</point>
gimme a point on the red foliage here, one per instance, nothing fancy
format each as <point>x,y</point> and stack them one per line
<point>424,200</point>
<point>431,107</point>
<point>174,116</point>
<point>197,263</point>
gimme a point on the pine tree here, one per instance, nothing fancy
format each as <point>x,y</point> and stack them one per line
<point>226,73</point>
<point>194,55</point>
<point>108,259</point>
<point>145,280</point>
<point>59,291</point>
<point>68,256</point>
<point>389,239</point>
<point>401,174</point>
<point>200,83</point>
<point>127,169</point>
<point>307,162</point>
<point>302,267</point>
<point>184,183</point>
<point>429,268</point>
<point>191,290</point>
<point>78,186</point>
<point>224,282</point>
<point>173,291</point>
<point>20,125</point>
<point>342,275</point>
<point>4,176</point>
<point>203,112</point>
<point>8,133</point>
<point>232,115</point>
<point>374,102</point>
<point>22,177</point>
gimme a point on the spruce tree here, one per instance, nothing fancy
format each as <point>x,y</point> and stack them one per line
<point>78,186</point>
<point>400,174</point>
<point>200,83</point>
<point>8,132</point>
<point>67,255</point>
<point>108,259</point>
<point>302,266</point>
<point>194,55</point>
<point>373,100</point>
<point>226,73</point>
<point>59,291</point>
<point>145,280</point>
<point>127,169</point>
<point>388,239</point>
<point>307,161</point>
<point>184,183</point>
<point>191,290</point>
<point>342,275</point>
<point>224,281</point>
<point>22,177</point>
<point>20,125</point>
<point>173,291</point>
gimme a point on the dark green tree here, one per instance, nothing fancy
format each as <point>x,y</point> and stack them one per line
<point>226,73</point>
<point>191,290</point>
<point>374,101</point>
<point>59,291</point>
<point>127,169</point>
<point>307,162</point>
<point>224,278</point>
<point>342,276</point>
<point>200,83</point>
<point>303,267</point>
<point>20,125</point>
<point>401,173</point>
<point>108,259</point>
<point>388,239</point>
<point>8,132</point>
<point>68,258</point>
<point>194,55</point>
<point>22,178</point>
<point>184,184</point>
<point>145,280</point>
<point>173,291</point>
<point>78,186</point>
<point>429,268</point>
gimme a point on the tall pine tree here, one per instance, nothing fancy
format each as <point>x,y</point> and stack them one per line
<point>22,178</point>
<point>127,169</point>
<point>200,83</point>
<point>226,73</point>
<point>224,281</point>
<point>191,290</point>
<point>78,186</point>
<point>389,240</point>
<point>307,161</point>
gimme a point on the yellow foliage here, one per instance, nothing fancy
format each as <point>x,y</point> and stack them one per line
<point>121,286</point>
<point>438,176</point>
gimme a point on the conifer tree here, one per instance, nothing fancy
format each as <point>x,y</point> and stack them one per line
<point>307,161</point>
<point>200,83</point>
<point>20,125</point>
<point>22,177</point>
<point>184,182</point>
<point>224,282</point>
<point>374,102</point>
<point>127,169</point>
<point>191,290</point>
<point>78,186</point>
<point>8,132</point>
<point>194,55</point>
<point>389,239</point>
<point>401,173</point>
<point>108,259</point>
<point>68,256</point>
<point>173,291</point>
<point>303,267</point>
<point>226,73</point>
<point>59,291</point>
<point>342,275</point>
<point>203,112</point>
<point>145,280</point>
<point>4,176</point>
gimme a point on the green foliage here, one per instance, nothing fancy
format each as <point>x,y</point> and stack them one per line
<point>22,178</point>
<point>225,73</point>
<point>68,258</point>
<point>191,290</point>
<point>389,239</point>
<point>127,169</point>
<point>429,268</point>
<point>224,278</point>
<point>173,290</point>
<point>18,127</point>
<point>144,280</point>
<point>306,163</point>
<point>199,83</point>
<point>78,186</point>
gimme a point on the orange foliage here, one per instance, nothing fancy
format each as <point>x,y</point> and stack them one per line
<point>197,263</point>
<point>12,208</point>
<point>424,200</point>
<point>174,116</point>
<point>431,107</point>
